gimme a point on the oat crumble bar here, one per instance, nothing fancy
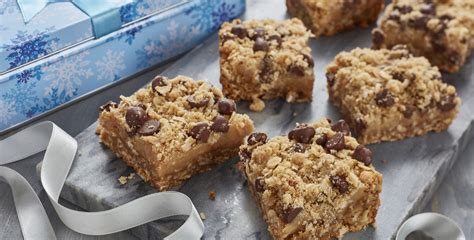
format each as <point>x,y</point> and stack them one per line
<point>328,17</point>
<point>388,95</point>
<point>173,129</point>
<point>266,59</point>
<point>315,183</point>
<point>440,30</point>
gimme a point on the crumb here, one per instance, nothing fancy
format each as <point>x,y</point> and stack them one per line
<point>383,161</point>
<point>124,179</point>
<point>203,216</point>
<point>212,195</point>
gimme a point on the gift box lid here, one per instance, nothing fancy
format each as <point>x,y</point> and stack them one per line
<point>59,25</point>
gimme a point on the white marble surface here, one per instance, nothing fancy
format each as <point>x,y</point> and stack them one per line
<point>454,198</point>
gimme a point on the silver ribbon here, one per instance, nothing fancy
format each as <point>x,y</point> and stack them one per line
<point>60,151</point>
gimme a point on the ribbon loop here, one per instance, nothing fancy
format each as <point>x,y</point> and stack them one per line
<point>61,149</point>
<point>104,15</point>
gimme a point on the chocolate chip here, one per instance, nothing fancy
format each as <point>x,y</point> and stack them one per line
<point>398,76</point>
<point>259,184</point>
<point>340,183</point>
<point>255,138</point>
<point>135,117</point>
<point>226,106</point>
<point>363,154</point>
<point>276,38</point>
<point>298,147</point>
<point>454,58</point>
<point>420,22</point>
<point>331,78</point>
<point>260,45</point>
<point>200,132</point>
<point>429,9</point>
<point>245,154</point>
<point>377,38</point>
<point>404,9</point>
<point>446,103</point>
<point>107,106</point>
<point>341,126</point>
<point>309,60</point>
<point>220,124</point>
<point>336,142</point>
<point>266,69</point>
<point>384,98</point>
<point>259,32</point>
<point>239,30</point>
<point>302,135</point>
<point>438,45</point>
<point>290,213</point>
<point>296,70</point>
<point>149,128</point>
<point>226,37</point>
<point>141,105</point>
<point>408,111</point>
<point>322,140</point>
<point>158,81</point>
<point>446,17</point>
<point>197,104</point>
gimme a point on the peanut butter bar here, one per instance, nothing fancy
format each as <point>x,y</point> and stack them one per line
<point>266,59</point>
<point>440,30</point>
<point>173,129</point>
<point>327,18</point>
<point>388,95</point>
<point>315,183</point>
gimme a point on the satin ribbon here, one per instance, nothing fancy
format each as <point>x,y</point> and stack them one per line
<point>60,151</point>
<point>104,14</point>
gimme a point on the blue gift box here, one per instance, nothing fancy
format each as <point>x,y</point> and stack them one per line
<point>57,56</point>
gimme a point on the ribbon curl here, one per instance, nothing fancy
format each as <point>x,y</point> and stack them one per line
<point>61,149</point>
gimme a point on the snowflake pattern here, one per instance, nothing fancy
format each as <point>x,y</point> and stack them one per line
<point>166,45</point>
<point>110,65</point>
<point>22,97</point>
<point>26,47</point>
<point>7,112</point>
<point>7,6</point>
<point>66,76</point>
<point>44,86</point>
<point>210,16</point>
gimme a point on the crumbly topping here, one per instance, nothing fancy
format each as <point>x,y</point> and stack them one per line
<point>304,183</point>
<point>330,17</point>
<point>258,57</point>
<point>177,113</point>
<point>381,87</point>
<point>442,31</point>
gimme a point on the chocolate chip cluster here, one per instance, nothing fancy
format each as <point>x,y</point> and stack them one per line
<point>202,130</point>
<point>261,43</point>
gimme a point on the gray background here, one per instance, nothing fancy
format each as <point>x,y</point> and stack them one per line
<point>454,198</point>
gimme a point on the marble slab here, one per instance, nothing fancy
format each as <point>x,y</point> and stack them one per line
<point>412,169</point>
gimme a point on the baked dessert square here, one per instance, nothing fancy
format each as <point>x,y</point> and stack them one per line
<point>266,59</point>
<point>327,18</point>
<point>388,95</point>
<point>440,30</point>
<point>315,183</point>
<point>173,129</point>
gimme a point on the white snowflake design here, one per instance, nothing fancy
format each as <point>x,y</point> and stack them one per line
<point>7,112</point>
<point>174,32</point>
<point>166,45</point>
<point>66,76</point>
<point>110,65</point>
